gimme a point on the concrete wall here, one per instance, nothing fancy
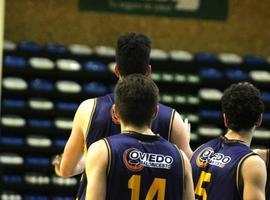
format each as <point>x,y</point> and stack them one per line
<point>246,31</point>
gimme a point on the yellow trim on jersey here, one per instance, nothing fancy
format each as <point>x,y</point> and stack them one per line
<point>109,155</point>
<point>171,124</point>
<point>238,172</point>
<point>89,125</point>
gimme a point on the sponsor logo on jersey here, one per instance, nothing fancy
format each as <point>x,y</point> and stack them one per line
<point>136,160</point>
<point>208,157</point>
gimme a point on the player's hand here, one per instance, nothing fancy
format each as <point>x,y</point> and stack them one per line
<point>57,160</point>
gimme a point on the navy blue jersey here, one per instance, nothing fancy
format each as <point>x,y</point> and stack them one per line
<point>268,175</point>
<point>216,169</point>
<point>143,166</point>
<point>101,125</point>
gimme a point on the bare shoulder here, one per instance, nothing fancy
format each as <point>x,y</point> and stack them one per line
<point>253,168</point>
<point>262,153</point>
<point>87,104</point>
<point>98,153</point>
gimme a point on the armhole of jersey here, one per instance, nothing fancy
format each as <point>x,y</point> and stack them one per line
<point>171,124</point>
<point>89,125</point>
<point>239,177</point>
<point>109,155</point>
<point>183,168</point>
<point>193,153</point>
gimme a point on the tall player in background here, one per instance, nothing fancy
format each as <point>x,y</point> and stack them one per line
<point>226,167</point>
<point>93,119</point>
<point>137,164</point>
<point>265,155</point>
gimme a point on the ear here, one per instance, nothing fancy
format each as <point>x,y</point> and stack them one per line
<point>117,72</point>
<point>148,71</point>
<point>226,120</point>
<point>155,113</point>
<point>259,122</point>
<point>115,117</point>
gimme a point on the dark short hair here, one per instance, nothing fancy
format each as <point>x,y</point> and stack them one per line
<point>242,105</point>
<point>133,53</point>
<point>136,99</point>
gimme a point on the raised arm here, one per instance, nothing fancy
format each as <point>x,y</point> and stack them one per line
<point>254,177</point>
<point>96,171</point>
<point>72,161</point>
<point>180,135</point>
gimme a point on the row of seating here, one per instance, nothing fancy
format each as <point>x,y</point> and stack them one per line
<point>43,86</point>
<point>85,50</point>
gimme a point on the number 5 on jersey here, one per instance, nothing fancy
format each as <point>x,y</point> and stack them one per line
<point>199,190</point>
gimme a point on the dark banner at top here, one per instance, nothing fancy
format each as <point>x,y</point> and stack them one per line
<point>200,9</point>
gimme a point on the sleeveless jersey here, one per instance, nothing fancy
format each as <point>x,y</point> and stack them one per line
<point>101,126</point>
<point>143,166</point>
<point>216,167</point>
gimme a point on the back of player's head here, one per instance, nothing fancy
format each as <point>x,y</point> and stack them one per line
<point>133,53</point>
<point>136,99</point>
<point>242,105</point>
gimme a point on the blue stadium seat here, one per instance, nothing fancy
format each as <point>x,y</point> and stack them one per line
<point>237,75</point>
<point>55,49</point>
<point>254,60</point>
<point>67,105</point>
<point>12,179</point>
<point>40,123</point>
<point>95,88</point>
<point>95,66</point>
<point>211,73</point>
<point>210,114</point>
<point>14,103</point>
<point>42,84</point>
<point>33,160</point>
<point>15,62</point>
<point>205,57</point>
<point>29,47</point>
<point>16,141</point>
<point>59,143</point>
<point>265,96</point>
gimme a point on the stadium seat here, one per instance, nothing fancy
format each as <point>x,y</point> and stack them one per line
<point>14,103</point>
<point>230,58</point>
<point>104,51</point>
<point>80,49</point>
<point>94,66</point>
<point>183,56</point>
<point>67,105</point>
<point>158,54</point>
<point>26,46</point>
<point>17,62</point>
<point>41,85</point>
<point>38,141</point>
<point>14,83</point>
<point>63,123</point>
<point>40,104</point>
<point>9,46</point>
<point>12,121</point>
<point>55,49</point>
<point>41,63</point>
<point>40,123</point>
<point>68,65</point>
<point>95,88</point>
<point>66,86</point>
<point>7,158</point>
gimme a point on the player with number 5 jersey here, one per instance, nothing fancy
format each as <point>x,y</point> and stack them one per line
<point>226,168</point>
<point>137,164</point>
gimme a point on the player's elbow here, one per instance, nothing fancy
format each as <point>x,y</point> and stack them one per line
<point>65,171</point>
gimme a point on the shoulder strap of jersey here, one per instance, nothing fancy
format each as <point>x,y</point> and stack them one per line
<point>89,125</point>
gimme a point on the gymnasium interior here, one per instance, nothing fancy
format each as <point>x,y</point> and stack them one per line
<point>57,53</point>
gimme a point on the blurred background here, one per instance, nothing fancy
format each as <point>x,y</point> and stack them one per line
<point>57,53</point>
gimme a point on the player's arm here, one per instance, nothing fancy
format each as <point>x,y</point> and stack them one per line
<point>254,177</point>
<point>72,161</point>
<point>96,171</point>
<point>263,153</point>
<point>188,192</point>
<point>180,134</point>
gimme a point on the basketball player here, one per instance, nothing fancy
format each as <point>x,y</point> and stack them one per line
<point>225,167</point>
<point>137,164</point>
<point>93,119</point>
<point>265,155</point>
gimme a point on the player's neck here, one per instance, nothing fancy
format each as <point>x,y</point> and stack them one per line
<point>246,137</point>
<point>141,130</point>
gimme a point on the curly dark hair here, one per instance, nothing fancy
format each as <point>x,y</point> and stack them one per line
<point>242,105</point>
<point>133,53</point>
<point>136,99</point>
